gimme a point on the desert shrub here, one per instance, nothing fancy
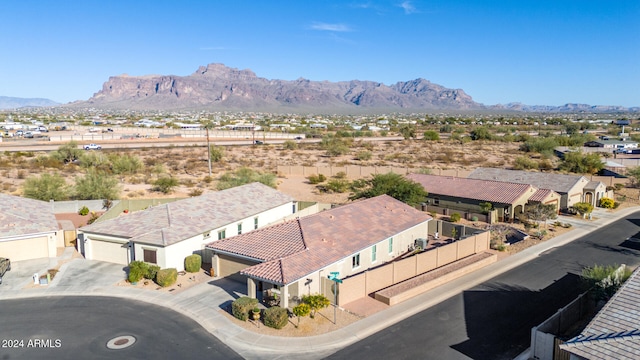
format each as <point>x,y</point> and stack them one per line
<point>217,153</point>
<point>152,271</point>
<point>166,277</point>
<point>276,317</point>
<point>137,270</point>
<point>192,263</point>
<point>340,175</point>
<point>84,211</point>
<point>431,135</point>
<point>290,145</point>
<point>337,185</point>
<point>46,187</point>
<point>607,203</point>
<point>364,155</point>
<point>525,163</point>
<point>240,307</point>
<point>455,217</point>
<point>195,192</point>
<point>316,178</point>
<point>244,176</point>
<point>474,218</point>
<point>165,184</point>
<point>93,218</point>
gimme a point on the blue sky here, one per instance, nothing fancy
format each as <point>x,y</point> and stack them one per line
<point>538,52</point>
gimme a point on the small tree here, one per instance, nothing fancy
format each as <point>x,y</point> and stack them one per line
<point>540,212</point>
<point>604,281</point>
<point>68,152</point>
<point>486,207</point>
<point>301,310</point>
<point>96,185</point>
<point>392,184</point>
<point>316,302</point>
<point>408,131</point>
<point>583,208</point>
<point>46,187</point>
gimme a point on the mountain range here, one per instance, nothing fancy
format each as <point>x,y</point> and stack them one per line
<point>7,102</point>
<point>216,87</point>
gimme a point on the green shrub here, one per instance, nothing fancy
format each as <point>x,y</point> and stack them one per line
<point>166,277</point>
<point>338,185</point>
<point>152,271</point>
<point>192,263</point>
<point>474,218</point>
<point>137,270</point>
<point>276,317</point>
<point>84,211</point>
<point>240,307</point>
<point>316,178</point>
<point>455,217</point>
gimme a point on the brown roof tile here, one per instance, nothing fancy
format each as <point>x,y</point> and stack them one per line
<point>483,190</point>
<point>327,237</point>
<point>22,216</point>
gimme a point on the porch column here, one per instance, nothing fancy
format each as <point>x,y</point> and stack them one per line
<point>285,297</point>
<point>251,288</point>
<point>215,265</point>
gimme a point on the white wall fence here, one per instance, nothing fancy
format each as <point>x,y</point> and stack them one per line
<point>74,206</point>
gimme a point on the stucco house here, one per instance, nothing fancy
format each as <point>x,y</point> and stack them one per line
<point>296,257</point>
<point>28,229</point>
<point>572,188</point>
<point>463,194</point>
<point>166,234</point>
<point>614,333</point>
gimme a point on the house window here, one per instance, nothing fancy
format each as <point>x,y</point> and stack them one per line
<point>255,222</point>
<point>390,245</point>
<point>355,261</point>
<point>222,234</point>
<point>150,256</point>
<point>436,201</point>
<point>239,228</point>
<point>294,209</point>
<point>374,254</point>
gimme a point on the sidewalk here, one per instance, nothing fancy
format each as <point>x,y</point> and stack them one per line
<point>203,302</point>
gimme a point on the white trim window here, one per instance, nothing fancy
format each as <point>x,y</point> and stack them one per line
<point>222,234</point>
<point>374,253</point>
<point>355,261</point>
<point>390,245</point>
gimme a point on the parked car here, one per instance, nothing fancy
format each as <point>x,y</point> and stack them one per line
<point>5,265</point>
<point>19,133</point>
<point>92,147</point>
<point>258,142</point>
<point>28,134</point>
<point>43,128</point>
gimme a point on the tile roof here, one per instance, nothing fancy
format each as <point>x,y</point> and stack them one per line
<point>170,223</point>
<point>561,183</point>
<point>614,333</point>
<point>592,185</point>
<point>325,238</point>
<point>542,194</point>
<point>483,190</point>
<point>22,216</point>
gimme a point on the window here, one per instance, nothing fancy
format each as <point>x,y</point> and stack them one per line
<point>390,245</point>
<point>436,201</point>
<point>206,235</point>
<point>255,222</point>
<point>150,256</point>
<point>239,228</point>
<point>294,209</point>
<point>222,234</point>
<point>355,261</point>
<point>374,254</point>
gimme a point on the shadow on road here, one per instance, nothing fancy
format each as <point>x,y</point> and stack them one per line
<point>499,319</point>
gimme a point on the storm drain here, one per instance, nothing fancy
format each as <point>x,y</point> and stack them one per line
<point>121,342</point>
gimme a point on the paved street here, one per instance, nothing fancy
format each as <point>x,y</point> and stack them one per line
<point>494,319</point>
<point>80,328</point>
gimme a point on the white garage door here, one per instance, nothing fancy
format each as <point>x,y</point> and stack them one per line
<point>26,249</point>
<point>109,252</point>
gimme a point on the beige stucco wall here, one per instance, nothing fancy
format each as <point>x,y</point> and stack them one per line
<point>426,261</point>
<point>378,278</point>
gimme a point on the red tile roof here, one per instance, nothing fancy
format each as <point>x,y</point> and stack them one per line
<point>542,194</point>
<point>483,190</point>
<point>295,249</point>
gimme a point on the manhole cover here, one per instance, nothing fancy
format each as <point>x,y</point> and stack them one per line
<point>121,342</point>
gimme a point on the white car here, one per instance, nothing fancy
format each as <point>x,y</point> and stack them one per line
<point>92,147</point>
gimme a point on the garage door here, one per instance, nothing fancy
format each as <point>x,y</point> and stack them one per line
<point>109,252</point>
<point>26,249</point>
<point>230,267</point>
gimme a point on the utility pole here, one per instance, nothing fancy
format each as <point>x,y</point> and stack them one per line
<point>208,148</point>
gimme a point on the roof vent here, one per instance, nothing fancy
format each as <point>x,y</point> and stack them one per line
<point>324,240</point>
<point>331,217</point>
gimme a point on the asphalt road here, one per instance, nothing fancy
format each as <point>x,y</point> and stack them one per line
<point>494,320</point>
<point>81,327</point>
